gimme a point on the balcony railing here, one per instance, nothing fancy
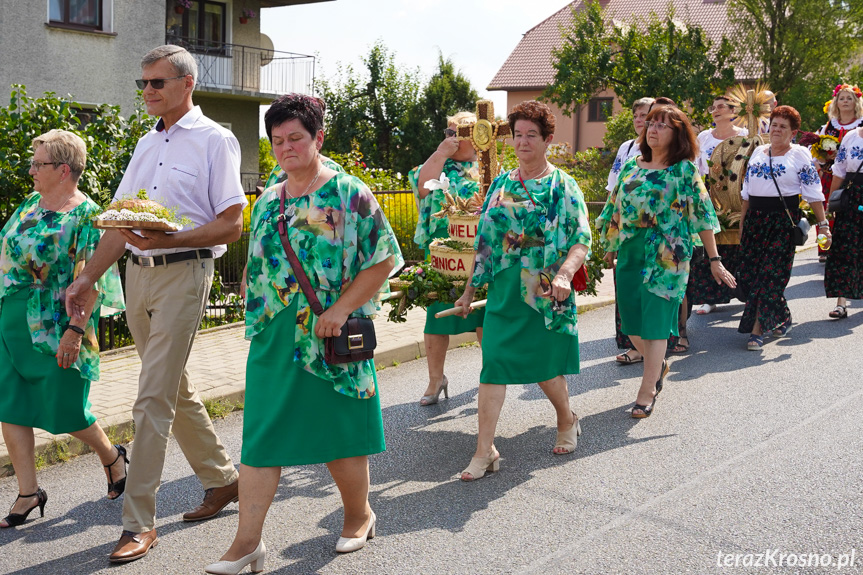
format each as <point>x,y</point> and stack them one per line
<point>247,68</point>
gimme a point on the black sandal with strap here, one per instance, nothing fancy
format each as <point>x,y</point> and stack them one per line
<point>16,519</point>
<point>117,487</point>
<point>646,410</point>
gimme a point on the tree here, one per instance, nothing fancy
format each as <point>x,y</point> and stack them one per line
<point>643,57</point>
<point>109,137</point>
<point>394,118</point>
<point>802,48</point>
<point>370,109</point>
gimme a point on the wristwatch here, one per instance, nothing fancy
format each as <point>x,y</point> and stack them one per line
<point>716,259</point>
<point>824,224</point>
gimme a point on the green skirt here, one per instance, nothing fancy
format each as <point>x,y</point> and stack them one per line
<point>454,324</point>
<point>292,417</point>
<point>34,390</point>
<point>642,313</point>
<point>516,346</point>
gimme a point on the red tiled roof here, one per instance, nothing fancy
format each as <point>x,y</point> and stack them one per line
<point>529,65</point>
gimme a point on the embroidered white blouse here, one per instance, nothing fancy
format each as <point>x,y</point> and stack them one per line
<point>794,171</point>
<point>850,154</point>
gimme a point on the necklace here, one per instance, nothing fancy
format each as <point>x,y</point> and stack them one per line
<point>309,187</point>
<point>539,175</point>
<point>44,207</point>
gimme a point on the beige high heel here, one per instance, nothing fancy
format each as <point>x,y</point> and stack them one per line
<point>568,439</point>
<point>480,465</point>
<point>434,398</point>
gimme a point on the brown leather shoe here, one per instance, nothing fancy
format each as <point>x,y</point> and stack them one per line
<point>133,546</point>
<point>215,499</point>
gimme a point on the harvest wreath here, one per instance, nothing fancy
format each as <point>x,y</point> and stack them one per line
<point>420,286</point>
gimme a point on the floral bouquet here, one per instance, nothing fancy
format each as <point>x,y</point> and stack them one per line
<point>824,150</point>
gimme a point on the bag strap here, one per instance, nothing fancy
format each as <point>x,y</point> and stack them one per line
<point>296,266</point>
<point>781,197</point>
<point>529,195</point>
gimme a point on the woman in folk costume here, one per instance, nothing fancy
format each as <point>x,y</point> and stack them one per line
<point>845,112</point>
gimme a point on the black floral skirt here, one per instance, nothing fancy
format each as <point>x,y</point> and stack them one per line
<point>702,288</point>
<point>843,275</point>
<point>766,258</point>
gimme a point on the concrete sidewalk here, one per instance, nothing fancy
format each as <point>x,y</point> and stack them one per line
<point>217,367</point>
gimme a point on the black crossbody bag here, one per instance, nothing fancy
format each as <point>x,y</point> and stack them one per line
<point>840,201</point>
<point>357,340</point>
<point>801,228</point>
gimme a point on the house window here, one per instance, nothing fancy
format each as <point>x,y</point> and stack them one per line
<point>600,109</point>
<point>200,28</point>
<point>83,14</point>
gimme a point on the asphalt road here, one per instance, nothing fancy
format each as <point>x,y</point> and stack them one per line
<point>753,458</point>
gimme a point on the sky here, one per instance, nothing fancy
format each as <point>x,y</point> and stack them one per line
<point>478,35</point>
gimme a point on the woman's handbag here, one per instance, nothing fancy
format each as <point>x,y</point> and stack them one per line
<point>357,340</point>
<point>840,201</point>
<point>801,228</point>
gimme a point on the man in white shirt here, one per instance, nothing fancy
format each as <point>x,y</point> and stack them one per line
<point>191,164</point>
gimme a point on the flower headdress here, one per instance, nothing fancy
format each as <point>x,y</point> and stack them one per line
<point>853,88</point>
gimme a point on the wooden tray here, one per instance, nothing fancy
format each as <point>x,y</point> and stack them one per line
<point>135,225</point>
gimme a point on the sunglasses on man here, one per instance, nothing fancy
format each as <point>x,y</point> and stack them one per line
<point>157,83</point>
<point>449,133</point>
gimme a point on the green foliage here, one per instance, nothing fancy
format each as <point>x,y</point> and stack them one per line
<point>370,108</point>
<point>232,305</point>
<point>650,56</point>
<point>803,47</point>
<point>266,161</point>
<point>387,110</point>
<point>422,286</point>
<point>376,179</point>
<point>110,141</point>
<point>618,129</point>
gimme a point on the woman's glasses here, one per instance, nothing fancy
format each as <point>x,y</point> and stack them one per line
<point>658,126</point>
<point>719,108</point>
<point>156,83</point>
<point>34,165</point>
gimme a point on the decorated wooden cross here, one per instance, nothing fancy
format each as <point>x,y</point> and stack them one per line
<point>483,136</point>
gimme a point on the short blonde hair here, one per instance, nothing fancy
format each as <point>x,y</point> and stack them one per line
<point>64,148</point>
<point>462,117</point>
<point>833,110</point>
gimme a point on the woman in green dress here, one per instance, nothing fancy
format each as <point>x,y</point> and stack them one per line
<point>658,205</point>
<point>533,236</point>
<point>48,360</point>
<point>456,159</point>
<point>298,408</point>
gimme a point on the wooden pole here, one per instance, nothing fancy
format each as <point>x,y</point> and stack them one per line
<point>458,309</point>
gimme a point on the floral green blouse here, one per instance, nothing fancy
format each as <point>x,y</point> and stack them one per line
<point>337,232</point>
<point>278,175</point>
<point>43,252</point>
<point>464,183</point>
<point>513,231</point>
<point>675,204</point>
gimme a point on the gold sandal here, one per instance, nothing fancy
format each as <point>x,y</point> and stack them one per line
<point>480,465</point>
<point>568,439</point>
